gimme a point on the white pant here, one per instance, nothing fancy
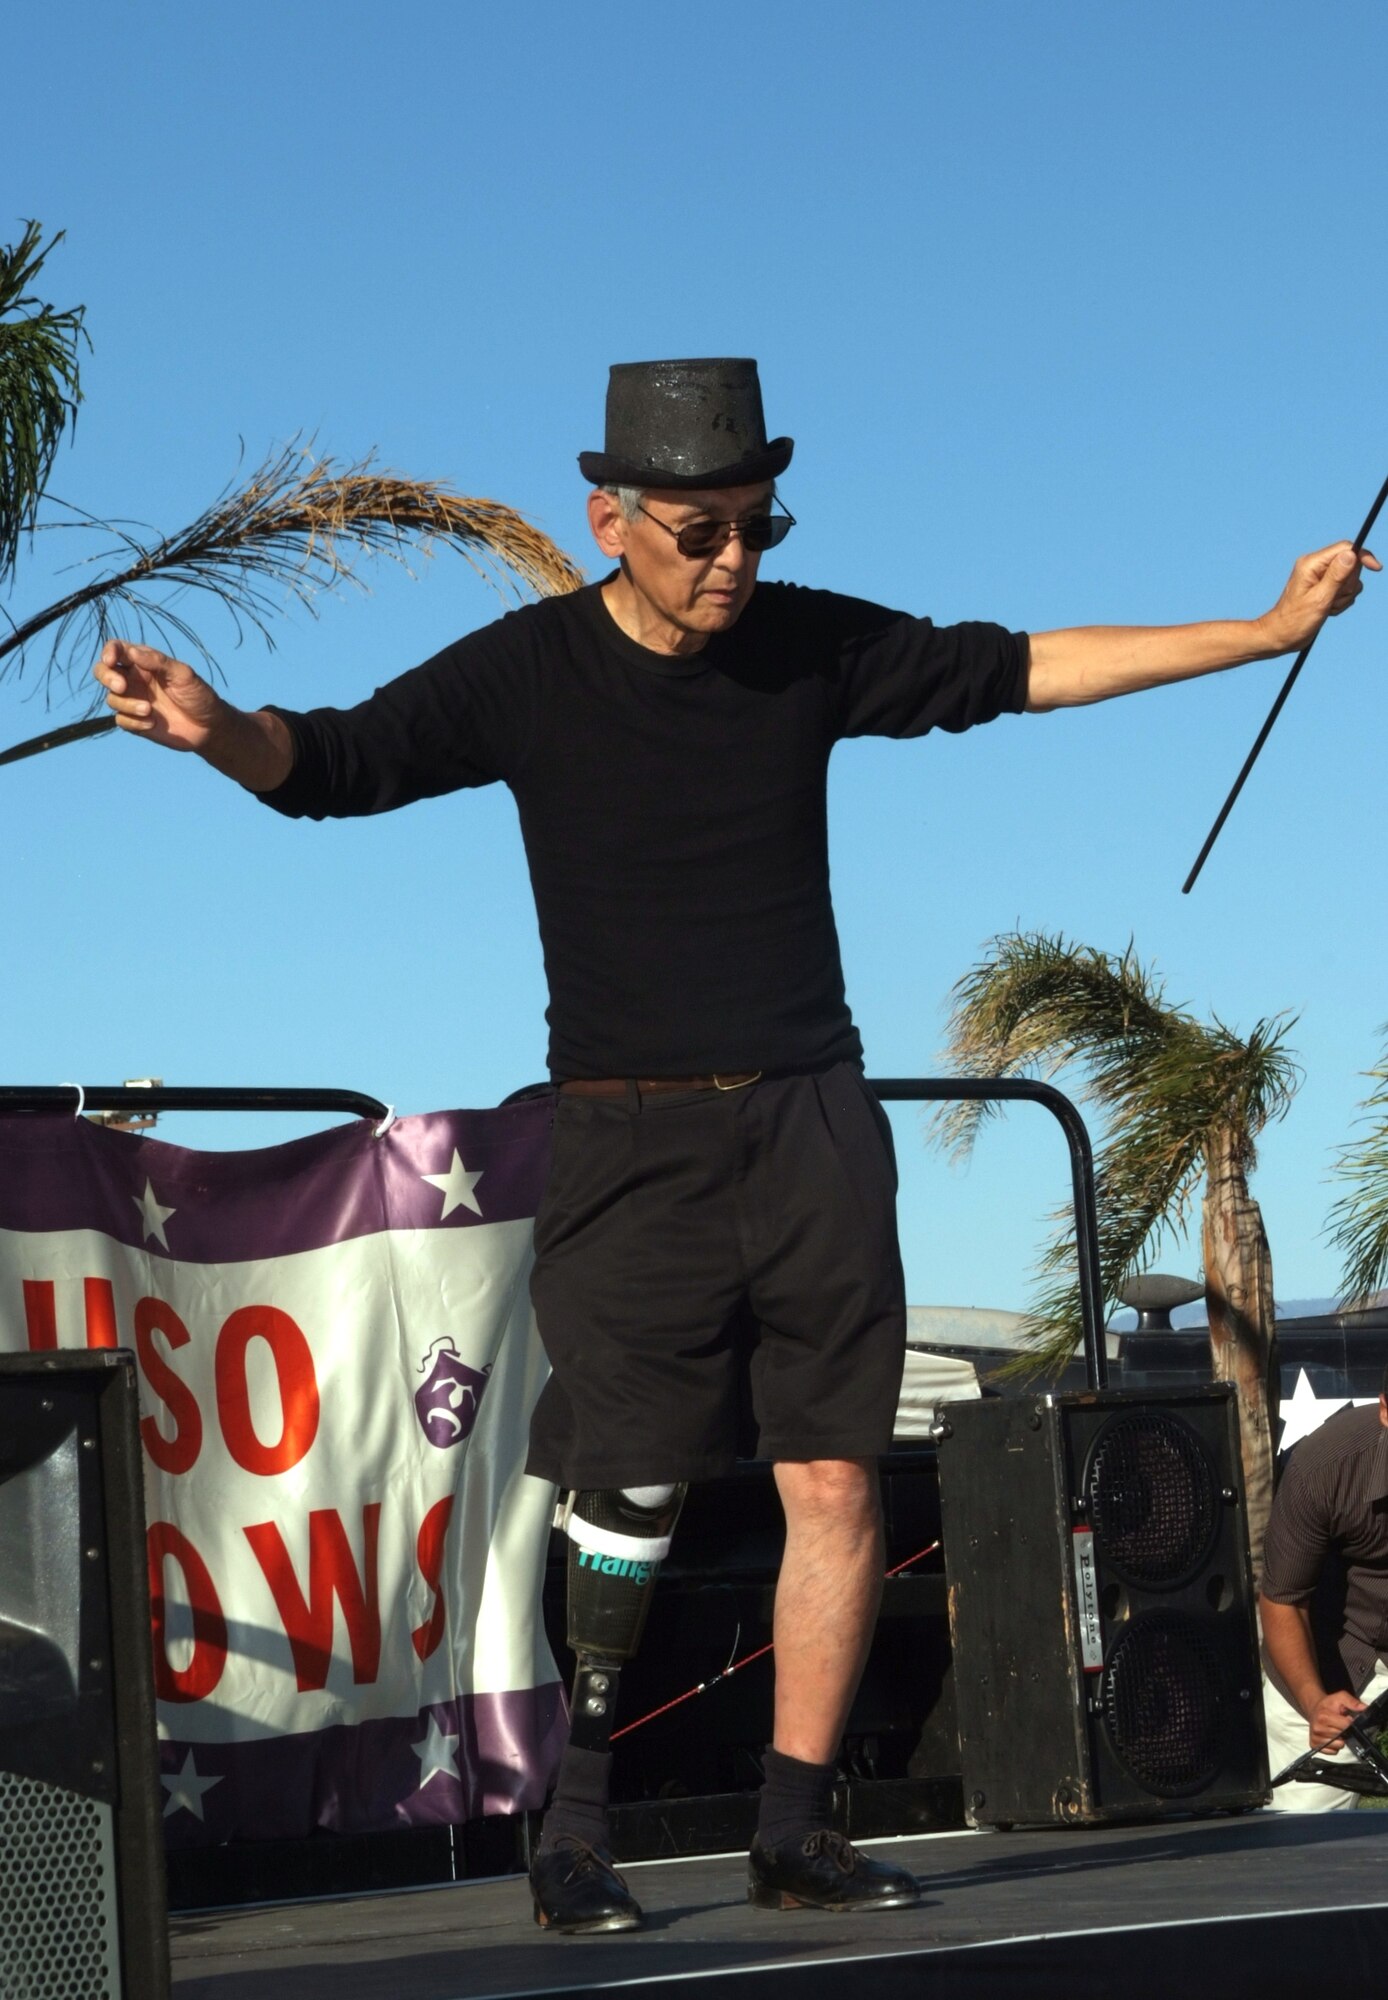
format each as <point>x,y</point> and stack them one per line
<point>1289,1738</point>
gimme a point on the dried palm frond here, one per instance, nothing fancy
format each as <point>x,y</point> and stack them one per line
<point>1162,1079</point>
<point>298,526</point>
<point>1358,1222</point>
<point>39,388</point>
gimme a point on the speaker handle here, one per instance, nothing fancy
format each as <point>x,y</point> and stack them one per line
<point>951,1089</point>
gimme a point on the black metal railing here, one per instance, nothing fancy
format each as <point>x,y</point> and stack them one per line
<point>1008,1089</point>
<point>175,1097</point>
<point>139,1098</point>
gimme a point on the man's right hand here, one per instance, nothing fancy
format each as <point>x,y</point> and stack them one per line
<point>151,695</point>
<point>1332,1712</point>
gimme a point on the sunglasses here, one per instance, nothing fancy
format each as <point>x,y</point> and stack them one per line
<point>705,538</point>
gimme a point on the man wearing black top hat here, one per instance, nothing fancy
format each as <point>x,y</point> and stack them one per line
<point>721,1204</point>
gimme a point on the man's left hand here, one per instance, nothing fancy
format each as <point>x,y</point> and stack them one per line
<point>1321,586</point>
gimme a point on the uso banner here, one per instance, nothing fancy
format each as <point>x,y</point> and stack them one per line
<point>338,1362</point>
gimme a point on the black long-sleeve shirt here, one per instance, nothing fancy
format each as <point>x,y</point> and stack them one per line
<point>673,809</point>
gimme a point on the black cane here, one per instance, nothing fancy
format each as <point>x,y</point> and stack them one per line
<point>1275,710</point>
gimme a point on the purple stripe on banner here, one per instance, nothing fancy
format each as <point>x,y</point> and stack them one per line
<point>445,1169</point>
<point>454,1761</point>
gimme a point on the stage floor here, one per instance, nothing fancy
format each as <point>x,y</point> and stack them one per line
<point>1267,1904</point>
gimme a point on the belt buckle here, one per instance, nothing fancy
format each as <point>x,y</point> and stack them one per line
<point>741,1084</point>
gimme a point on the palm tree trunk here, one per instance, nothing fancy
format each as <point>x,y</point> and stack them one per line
<point>1238,1298</point>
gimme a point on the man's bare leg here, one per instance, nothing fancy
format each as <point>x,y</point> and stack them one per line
<point>827,1597</point>
<point>826,1605</point>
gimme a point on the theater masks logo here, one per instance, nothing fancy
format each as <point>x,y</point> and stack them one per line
<point>448,1399</point>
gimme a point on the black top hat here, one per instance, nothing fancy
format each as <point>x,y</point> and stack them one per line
<point>685,423</point>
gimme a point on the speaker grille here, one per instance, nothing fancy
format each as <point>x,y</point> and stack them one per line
<point>57,1894</point>
<point>1162,1701</point>
<point>1152,1499</point>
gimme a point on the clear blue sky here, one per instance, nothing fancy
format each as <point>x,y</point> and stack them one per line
<point>1076,314</point>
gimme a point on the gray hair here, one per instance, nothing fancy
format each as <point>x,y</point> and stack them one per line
<point>628,499</point>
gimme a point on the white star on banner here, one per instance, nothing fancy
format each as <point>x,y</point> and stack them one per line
<point>1307,1411</point>
<point>153,1216</point>
<point>185,1788</point>
<point>456,1187</point>
<point>437,1754</point>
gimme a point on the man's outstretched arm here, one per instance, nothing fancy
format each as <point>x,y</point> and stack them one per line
<point>162,699</point>
<point>1094,662</point>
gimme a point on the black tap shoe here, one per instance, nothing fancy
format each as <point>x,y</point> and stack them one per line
<point>576,1889</point>
<point>825,1872</point>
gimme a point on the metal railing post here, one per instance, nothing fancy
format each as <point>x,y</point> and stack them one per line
<point>1010,1089</point>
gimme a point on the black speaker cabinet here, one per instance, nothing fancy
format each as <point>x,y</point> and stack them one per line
<point>82,1897</point>
<point>1101,1607</point>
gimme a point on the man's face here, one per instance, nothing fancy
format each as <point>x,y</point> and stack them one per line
<point>697,595</point>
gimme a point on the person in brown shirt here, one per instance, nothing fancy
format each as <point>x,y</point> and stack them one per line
<point>1324,1596</point>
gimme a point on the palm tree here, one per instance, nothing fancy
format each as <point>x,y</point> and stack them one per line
<point>1359,1219</point>
<point>39,388</point>
<point>297,526</point>
<point>1181,1099</point>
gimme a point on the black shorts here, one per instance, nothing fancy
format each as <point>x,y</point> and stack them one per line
<point>706,1239</point>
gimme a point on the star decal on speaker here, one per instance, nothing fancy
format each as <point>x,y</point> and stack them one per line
<point>1306,1411</point>
<point>185,1789</point>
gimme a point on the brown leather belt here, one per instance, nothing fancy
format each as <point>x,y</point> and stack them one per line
<point>620,1086</point>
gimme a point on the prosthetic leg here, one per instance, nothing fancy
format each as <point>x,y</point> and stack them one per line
<point>618,1538</point>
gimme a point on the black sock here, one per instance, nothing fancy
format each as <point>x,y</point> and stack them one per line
<point>797,1799</point>
<point>578,1810</point>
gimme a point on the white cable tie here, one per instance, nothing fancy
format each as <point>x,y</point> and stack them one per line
<point>379,1131</point>
<point>81,1099</point>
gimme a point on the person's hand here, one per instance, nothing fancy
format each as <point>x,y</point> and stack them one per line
<point>1330,1713</point>
<point>151,695</point>
<point>1321,586</point>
